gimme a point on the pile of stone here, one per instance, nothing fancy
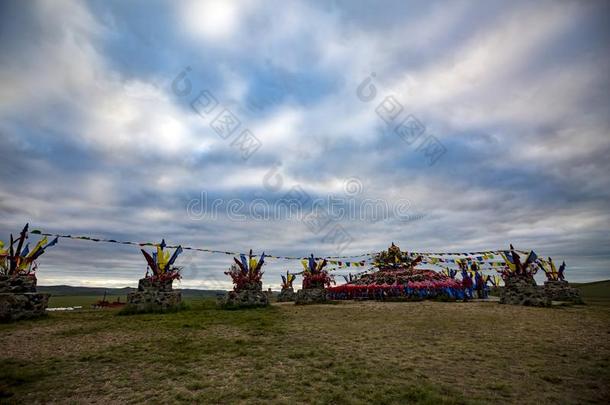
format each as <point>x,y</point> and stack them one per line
<point>560,290</point>
<point>315,295</point>
<point>248,296</point>
<point>286,295</point>
<point>521,289</point>
<point>153,296</point>
<point>315,279</point>
<point>19,299</point>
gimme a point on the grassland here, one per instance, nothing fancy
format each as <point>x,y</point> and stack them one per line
<point>350,352</point>
<point>80,300</point>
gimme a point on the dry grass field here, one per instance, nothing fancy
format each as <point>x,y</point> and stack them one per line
<point>348,352</point>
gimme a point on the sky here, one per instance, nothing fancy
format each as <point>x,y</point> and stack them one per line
<point>299,127</point>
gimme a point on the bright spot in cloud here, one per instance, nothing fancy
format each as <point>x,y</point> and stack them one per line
<point>212,20</point>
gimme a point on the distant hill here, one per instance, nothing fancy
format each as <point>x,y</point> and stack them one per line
<point>596,289</point>
<point>66,290</point>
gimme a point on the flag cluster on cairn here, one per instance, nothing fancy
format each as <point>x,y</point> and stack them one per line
<point>18,296</point>
<point>161,265</point>
<point>287,292</point>
<point>520,288</point>
<point>155,291</point>
<point>247,275</point>
<point>18,261</point>
<point>556,288</point>
<point>314,273</point>
<point>397,277</point>
<point>315,279</point>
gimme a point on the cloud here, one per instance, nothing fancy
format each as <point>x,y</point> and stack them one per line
<point>95,141</point>
<point>213,21</point>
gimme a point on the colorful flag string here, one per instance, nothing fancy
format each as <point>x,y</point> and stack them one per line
<point>359,263</point>
<point>435,258</point>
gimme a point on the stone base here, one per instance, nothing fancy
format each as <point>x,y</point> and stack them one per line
<point>286,295</point>
<point>14,307</point>
<point>152,301</point>
<point>244,299</point>
<point>523,290</point>
<point>25,283</point>
<point>560,290</point>
<point>147,284</point>
<point>310,296</point>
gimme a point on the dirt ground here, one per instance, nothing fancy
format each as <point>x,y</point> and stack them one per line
<point>348,352</point>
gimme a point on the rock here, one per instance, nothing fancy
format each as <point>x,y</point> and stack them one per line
<point>560,290</point>
<point>249,296</point>
<point>253,286</point>
<point>523,290</point>
<point>147,284</point>
<point>153,296</point>
<point>25,283</point>
<point>153,301</point>
<point>19,300</point>
<point>286,295</point>
<point>310,296</point>
<point>14,307</point>
<point>244,299</point>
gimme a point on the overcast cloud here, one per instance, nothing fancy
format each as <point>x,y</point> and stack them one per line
<point>98,136</point>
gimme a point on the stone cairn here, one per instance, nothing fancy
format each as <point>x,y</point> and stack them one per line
<point>18,296</point>
<point>556,288</point>
<point>315,279</point>
<point>153,296</point>
<point>312,295</point>
<point>250,295</point>
<point>520,288</point>
<point>560,290</point>
<point>19,299</point>
<point>247,285</point>
<point>155,292</point>
<point>287,293</point>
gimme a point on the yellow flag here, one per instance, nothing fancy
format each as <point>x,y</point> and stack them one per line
<point>38,246</point>
<point>510,265</point>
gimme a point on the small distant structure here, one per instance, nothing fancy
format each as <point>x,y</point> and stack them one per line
<point>287,293</point>
<point>104,303</point>
<point>556,287</point>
